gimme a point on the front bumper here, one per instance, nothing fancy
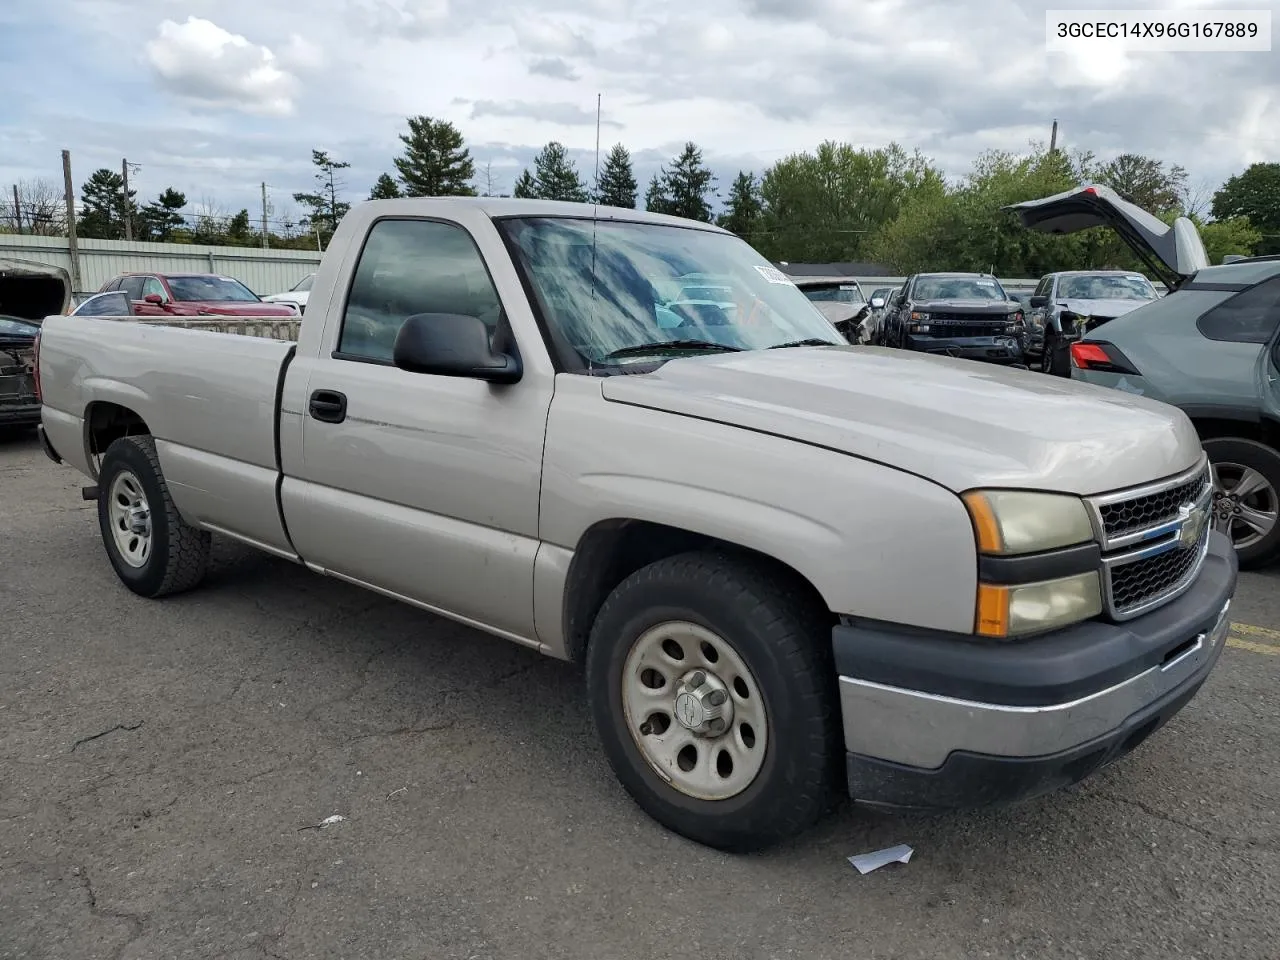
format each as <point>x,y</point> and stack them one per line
<point>19,414</point>
<point>989,349</point>
<point>935,722</point>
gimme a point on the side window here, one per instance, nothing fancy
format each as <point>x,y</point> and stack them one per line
<point>113,285</point>
<point>132,286</point>
<point>1043,287</point>
<point>152,285</point>
<point>1251,316</point>
<point>409,267</point>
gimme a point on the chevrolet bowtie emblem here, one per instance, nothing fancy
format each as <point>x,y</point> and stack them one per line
<point>1192,519</point>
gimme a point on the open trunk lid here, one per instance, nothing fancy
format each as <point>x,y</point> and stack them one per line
<point>1172,253</point>
<point>33,290</point>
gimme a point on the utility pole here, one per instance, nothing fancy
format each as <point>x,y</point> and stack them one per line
<point>1053,138</point>
<point>128,220</point>
<point>17,212</point>
<point>264,214</point>
<point>73,249</point>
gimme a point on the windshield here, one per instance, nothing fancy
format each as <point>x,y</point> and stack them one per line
<point>1106,287</point>
<point>209,288</point>
<point>599,287</point>
<point>836,293</point>
<point>17,327</point>
<point>957,288</point>
<point>304,284</point>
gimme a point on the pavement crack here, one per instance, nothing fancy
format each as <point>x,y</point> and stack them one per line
<point>98,736</point>
<point>137,922</point>
<point>1163,816</point>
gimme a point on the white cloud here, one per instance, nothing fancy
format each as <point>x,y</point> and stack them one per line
<point>200,61</point>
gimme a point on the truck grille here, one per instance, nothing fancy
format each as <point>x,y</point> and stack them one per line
<point>1154,540</point>
<point>964,325</point>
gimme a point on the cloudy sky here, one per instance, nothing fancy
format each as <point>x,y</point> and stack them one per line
<point>215,96</point>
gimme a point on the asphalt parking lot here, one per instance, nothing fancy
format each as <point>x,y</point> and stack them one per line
<point>164,767</point>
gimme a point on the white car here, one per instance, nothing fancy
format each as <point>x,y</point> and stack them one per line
<point>297,295</point>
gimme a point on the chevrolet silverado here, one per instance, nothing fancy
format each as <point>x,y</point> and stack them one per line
<point>790,567</point>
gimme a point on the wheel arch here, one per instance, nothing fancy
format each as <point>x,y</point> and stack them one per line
<point>611,550</point>
<point>105,421</point>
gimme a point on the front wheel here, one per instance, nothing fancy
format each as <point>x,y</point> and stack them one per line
<point>153,550</point>
<point>1246,497</point>
<point>715,698</point>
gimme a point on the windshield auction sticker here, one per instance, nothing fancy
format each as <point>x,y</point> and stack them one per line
<point>774,275</point>
<point>1223,31</point>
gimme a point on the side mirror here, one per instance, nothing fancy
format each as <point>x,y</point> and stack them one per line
<point>877,303</point>
<point>452,345</point>
<point>1038,302</point>
<point>154,298</point>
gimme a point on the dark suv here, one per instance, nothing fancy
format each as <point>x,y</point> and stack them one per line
<point>957,314</point>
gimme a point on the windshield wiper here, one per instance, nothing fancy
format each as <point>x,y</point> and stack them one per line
<point>808,342</point>
<point>641,348</point>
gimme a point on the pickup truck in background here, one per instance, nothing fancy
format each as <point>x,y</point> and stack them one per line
<point>791,567</point>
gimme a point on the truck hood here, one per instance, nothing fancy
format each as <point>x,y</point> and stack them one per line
<point>956,422</point>
<point>240,308</point>
<point>1171,253</point>
<point>1107,309</point>
<point>996,307</point>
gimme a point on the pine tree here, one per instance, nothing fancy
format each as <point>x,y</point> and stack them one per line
<point>385,188</point>
<point>435,162</point>
<point>689,184</point>
<point>103,206</point>
<point>657,199</point>
<point>158,219</point>
<point>617,186</point>
<point>744,207</point>
<point>525,188</point>
<point>326,209</point>
<point>555,177</point>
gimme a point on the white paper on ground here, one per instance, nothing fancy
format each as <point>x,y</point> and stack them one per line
<point>866,862</point>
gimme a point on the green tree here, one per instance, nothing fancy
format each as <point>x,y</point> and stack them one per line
<point>103,206</point>
<point>1232,235</point>
<point>1145,181</point>
<point>617,186</point>
<point>435,162</point>
<point>525,187</point>
<point>239,233</point>
<point>825,206</point>
<point>326,210</point>
<point>555,177</point>
<point>744,207</point>
<point>159,219</point>
<point>690,185</point>
<point>385,188</point>
<point>1255,194</point>
<point>657,199</point>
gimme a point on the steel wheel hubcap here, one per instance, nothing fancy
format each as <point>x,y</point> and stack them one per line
<point>130,518</point>
<point>1246,506</point>
<point>694,710</point>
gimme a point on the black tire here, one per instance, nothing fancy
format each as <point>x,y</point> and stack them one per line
<point>1054,360</point>
<point>784,642</point>
<point>179,553</point>
<point>1266,460</point>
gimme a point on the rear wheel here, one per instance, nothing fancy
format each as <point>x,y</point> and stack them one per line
<point>152,549</point>
<point>1246,497</point>
<point>715,699</point>
<point>1054,360</point>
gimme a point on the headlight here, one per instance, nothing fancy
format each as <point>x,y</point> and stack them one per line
<point>1005,612</point>
<point>919,316</point>
<point>1013,522</point>
<point>919,328</point>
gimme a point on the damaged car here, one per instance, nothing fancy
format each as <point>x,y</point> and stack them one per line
<point>29,292</point>
<point>1065,306</point>
<point>967,315</point>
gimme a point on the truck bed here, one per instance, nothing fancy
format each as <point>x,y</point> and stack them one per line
<point>207,389</point>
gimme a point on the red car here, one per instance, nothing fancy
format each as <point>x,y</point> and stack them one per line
<point>193,295</point>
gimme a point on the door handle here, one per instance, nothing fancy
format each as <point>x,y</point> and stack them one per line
<point>329,406</point>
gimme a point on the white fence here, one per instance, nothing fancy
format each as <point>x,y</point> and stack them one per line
<point>262,271</point>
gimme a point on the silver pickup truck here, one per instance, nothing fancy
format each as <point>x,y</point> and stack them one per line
<point>789,566</point>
